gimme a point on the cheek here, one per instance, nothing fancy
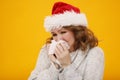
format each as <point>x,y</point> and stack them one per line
<point>69,38</point>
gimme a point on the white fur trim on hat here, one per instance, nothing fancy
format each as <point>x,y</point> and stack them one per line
<point>66,19</point>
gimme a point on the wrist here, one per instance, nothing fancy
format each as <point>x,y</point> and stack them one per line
<point>58,66</point>
<point>65,65</point>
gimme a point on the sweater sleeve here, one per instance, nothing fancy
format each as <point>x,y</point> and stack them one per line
<point>92,71</point>
<point>44,69</point>
<point>95,65</point>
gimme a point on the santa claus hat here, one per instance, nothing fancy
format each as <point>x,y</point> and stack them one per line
<point>64,14</point>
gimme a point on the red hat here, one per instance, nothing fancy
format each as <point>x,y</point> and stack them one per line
<point>64,14</point>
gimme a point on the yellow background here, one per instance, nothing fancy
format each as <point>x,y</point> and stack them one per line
<point>22,34</point>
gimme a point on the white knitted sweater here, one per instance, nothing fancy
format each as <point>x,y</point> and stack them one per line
<point>87,65</point>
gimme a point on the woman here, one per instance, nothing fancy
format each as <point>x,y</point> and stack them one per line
<point>82,59</point>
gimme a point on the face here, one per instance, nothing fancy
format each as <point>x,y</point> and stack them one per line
<point>63,34</point>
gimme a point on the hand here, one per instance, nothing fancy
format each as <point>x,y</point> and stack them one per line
<point>55,61</point>
<point>62,54</point>
<point>53,58</point>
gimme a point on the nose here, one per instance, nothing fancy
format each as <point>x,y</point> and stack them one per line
<point>59,37</point>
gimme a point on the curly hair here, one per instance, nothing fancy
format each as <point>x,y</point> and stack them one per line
<point>84,37</point>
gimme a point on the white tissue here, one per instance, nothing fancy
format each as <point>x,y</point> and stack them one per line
<point>53,45</point>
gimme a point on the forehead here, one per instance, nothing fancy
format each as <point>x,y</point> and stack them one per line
<point>58,30</point>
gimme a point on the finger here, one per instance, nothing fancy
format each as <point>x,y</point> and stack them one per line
<point>59,47</point>
<point>52,57</point>
<point>64,46</point>
<point>57,52</point>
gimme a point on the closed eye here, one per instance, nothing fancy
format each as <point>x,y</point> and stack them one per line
<point>54,35</point>
<point>63,32</point>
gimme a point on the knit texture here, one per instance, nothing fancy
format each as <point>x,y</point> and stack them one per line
<point>88,65</point>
